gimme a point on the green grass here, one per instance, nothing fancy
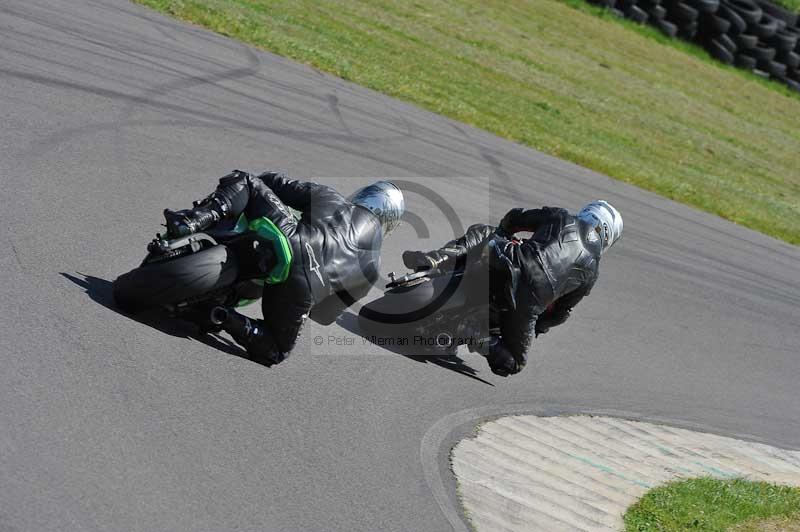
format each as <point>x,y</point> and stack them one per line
<point>561,76</point>
<point>712,505</point>
<point>770,524</point>
<point>793,5</point>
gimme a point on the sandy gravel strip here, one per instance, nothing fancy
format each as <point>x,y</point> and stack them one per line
<point>528,473</point>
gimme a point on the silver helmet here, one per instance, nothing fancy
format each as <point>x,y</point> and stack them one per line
<point>384,200</point>
<point>605,220</point>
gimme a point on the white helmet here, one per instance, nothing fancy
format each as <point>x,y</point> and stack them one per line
<point>605,219</point>
<point>385,200</point>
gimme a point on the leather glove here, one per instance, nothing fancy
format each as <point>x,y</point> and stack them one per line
<point>190,221</point>
<point>506,227</point>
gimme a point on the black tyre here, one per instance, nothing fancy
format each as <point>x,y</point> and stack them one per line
<point>747,9</point>
<point>667,28</point>
<point>793,84</point>
<point>778,12</point>
<point>704,6</point>
<point>784,40</point>
<point>765,28</point>
<point>656,13</point>
<point>174,281</point>
<point>745,41</point>
<point>681,13</point>
<point>746,62</point>
<point>719,52</point>
<point>761,73</point>
<point>403,309</point>
<point>775,69</point>
<point>728,43</point>
<point>636,14</point>
<point>790,59</point>
<point>762,53</point>
<point>778,70</point>
<point>688,30</point>
<point>714,25</point>
<point>737,23</point>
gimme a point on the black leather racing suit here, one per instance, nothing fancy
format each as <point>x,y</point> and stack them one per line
<point>335,247</point>
<point>534,283</point>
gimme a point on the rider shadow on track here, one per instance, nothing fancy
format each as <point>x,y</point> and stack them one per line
<point>100,291</point>
<point>349,322</point>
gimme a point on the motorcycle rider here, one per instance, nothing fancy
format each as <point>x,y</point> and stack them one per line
<point>533,283</point>
<point>331,255</point>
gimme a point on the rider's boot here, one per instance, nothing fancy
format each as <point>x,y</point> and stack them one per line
<point>227,201</point>
<point>250,333</point>
<point>190,221</point>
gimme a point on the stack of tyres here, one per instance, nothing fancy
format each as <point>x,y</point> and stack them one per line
<point>736,13</point>
<point>755,35</point>
<point>657,16</point>
<point>713,33</point>
<point>765,37</point>
<point>632,10</point>
<point>785,41</point>
<point>685,14</point>
<point>748,24</point>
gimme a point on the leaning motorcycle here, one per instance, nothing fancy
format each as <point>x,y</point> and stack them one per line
<point>221,266</point>
<point>432,310</point>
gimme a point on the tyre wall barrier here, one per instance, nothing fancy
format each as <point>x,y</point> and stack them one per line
<point>756,35</point>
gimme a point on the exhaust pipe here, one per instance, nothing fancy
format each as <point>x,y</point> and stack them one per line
<point>219,315</point>
<point>238,326</point>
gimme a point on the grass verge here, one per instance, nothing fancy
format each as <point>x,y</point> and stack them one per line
<point>560,76</point>
<point>792,5</point>
<point>714,505</point>
<point>770,524</point>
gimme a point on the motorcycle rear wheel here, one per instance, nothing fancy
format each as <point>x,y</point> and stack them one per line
<point>170,282</point>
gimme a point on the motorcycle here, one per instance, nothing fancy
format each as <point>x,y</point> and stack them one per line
<point>432,310</point>
<point>225,265</point>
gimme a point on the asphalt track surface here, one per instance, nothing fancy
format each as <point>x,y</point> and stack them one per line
<point>111,113</point>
